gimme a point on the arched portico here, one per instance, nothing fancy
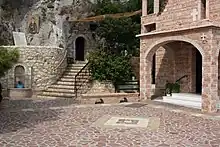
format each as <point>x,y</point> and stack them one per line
<point>147,52</point>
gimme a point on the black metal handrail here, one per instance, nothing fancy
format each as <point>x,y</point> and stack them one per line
<point>82,73</point>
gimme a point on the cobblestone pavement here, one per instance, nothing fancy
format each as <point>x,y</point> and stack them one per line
<point>61,123</point>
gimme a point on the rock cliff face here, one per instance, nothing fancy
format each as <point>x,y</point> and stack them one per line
<point>51,17</point>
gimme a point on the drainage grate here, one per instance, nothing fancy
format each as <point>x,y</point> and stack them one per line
<point>135,105</point>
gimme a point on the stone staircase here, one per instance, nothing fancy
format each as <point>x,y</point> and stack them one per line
<point>64,87</point>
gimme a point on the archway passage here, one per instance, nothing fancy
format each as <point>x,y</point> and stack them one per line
<point>172,61</point>
<point>79,49</point>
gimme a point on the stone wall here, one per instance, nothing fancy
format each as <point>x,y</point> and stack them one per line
<point>214,11</point>
<point>75,30</point>
<point>164,69</point>
<point>101,87</point>
<point>183,67</point>
<point>183,14</point>
<point>43,66</point>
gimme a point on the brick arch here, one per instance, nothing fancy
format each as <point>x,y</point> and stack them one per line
<point>146,59</point>
<point>154,46</point>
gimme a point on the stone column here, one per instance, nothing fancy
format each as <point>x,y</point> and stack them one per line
<point>145,73</point>
<point>145,79</point>
<point>156,6</point>
<point>210,81</point>
<point>144,8</point>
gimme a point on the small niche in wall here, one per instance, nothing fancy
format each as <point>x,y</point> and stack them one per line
<point>19,75</point>
<point>150,27</point>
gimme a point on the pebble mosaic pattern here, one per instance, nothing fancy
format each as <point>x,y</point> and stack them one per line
<point>60,123</point>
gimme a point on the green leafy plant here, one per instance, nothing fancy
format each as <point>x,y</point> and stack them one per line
<point>174,87</point>
<point>8,57</point>
<point>119,34</point>
<point>106,66</point>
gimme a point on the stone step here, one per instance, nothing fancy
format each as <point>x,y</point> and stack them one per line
<point>70,74</point>
<point>80,62</point>
<point>72,70</point>
<point>70,83</point>
<point>189,104</point>
<point>51,97</point>
<point>62,90</point>
<point>184,97</point>
<point>61,86</point>
<point>72,78</point>
<point>76,65</point>
<point>58,94</point>
<point>67,79</point>
<point>74,73</point>
<point>65,83</point>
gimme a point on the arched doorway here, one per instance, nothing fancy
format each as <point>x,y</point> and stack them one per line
<point>19,75</point>
<point>79,49</point>
<point>175,59</point>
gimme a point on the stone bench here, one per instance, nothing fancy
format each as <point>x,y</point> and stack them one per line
<point>109,98</point>
<point>20,93</point>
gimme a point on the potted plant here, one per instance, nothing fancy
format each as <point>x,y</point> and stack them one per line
<point>173,87</point>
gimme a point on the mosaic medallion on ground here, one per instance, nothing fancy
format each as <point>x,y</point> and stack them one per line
<point>126,122</point>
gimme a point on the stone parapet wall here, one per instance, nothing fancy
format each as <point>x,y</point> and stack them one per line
<point>101,87</point>
<point>43,65</point>
<point>109,98</point>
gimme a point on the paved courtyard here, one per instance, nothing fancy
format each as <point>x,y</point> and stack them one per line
<point>61,123</point>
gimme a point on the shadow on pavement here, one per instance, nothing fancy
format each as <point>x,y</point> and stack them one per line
<point>26,113</point>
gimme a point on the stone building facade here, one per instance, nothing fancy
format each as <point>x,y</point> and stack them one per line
<point>59,36</point>
<point>81,40</point>
<point>41,66</point>
<point>183,36</point>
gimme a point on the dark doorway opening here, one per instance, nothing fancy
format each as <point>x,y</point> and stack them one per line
<point>80,47</point>
<point>198,72</point>
<point>153,71</point>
